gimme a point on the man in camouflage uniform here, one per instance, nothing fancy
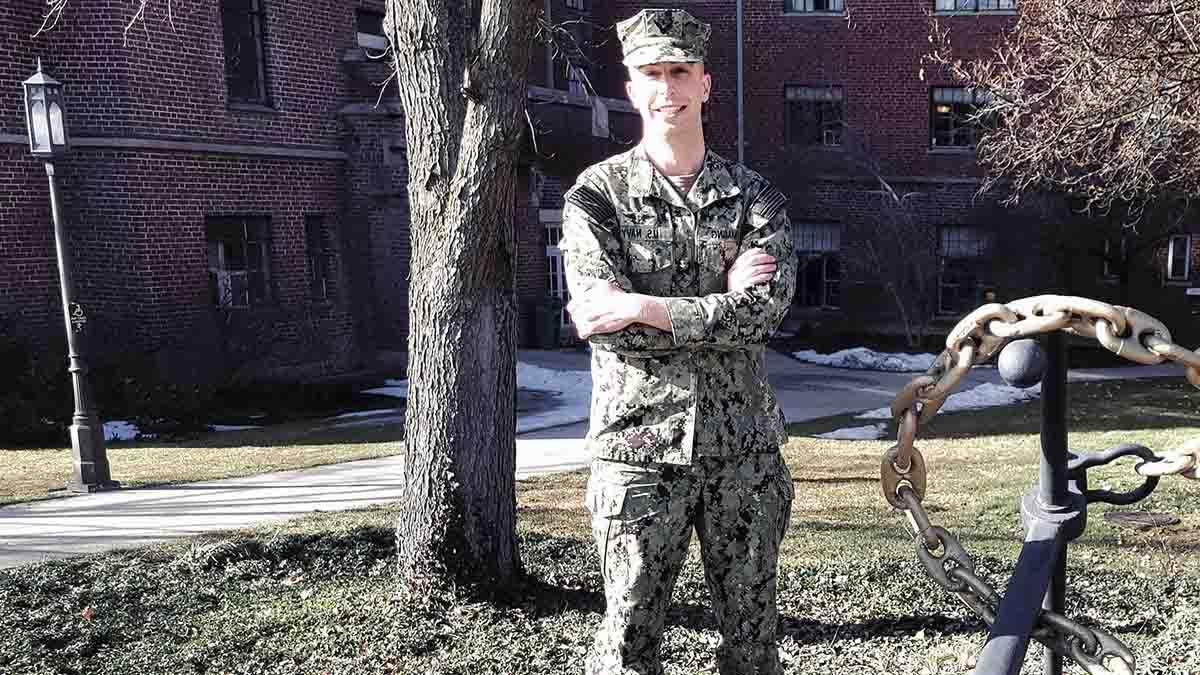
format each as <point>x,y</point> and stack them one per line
<point>680,265</point>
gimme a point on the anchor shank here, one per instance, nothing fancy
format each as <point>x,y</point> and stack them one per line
<point>1053,490</point>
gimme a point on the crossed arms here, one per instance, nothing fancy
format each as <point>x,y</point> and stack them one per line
<point>607,312</point>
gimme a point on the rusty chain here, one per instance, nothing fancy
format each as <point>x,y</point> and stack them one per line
<point>978,337</point>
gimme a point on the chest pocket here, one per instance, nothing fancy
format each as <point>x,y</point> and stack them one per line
<point>718,236</point>
<point>649,246</point>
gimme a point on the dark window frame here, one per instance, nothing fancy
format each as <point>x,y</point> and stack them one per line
<point>321,258</point>
<point>819,269</point>
<point>239,248</point>
<point>802,101</point>
<point>962,274</point>
<point>955,126</point>
<point>254,16</point>
<point>1170,272</point>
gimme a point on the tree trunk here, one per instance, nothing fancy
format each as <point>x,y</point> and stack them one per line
<point>461,70</point>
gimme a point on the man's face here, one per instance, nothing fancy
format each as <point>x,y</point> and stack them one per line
<point>669,95</point>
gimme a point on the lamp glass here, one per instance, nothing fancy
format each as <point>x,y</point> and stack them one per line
<point>57,136</point>
<point>39,126</point>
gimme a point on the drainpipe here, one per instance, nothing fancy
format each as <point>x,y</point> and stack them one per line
<point>741,118</point>
<point>549,51</point>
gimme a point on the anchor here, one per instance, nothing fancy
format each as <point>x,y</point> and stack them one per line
<point>1054,512</point>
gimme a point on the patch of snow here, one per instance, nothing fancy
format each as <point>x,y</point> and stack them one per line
<point>232,427</point>
<point>364,413</point>
<point>120,430</point>
<point>987,395</point>
<point>572,403</point>
<point>870,432</point>
<point>396,388</point>
<point>861,358</point>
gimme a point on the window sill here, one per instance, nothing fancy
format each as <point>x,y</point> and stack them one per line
<point>1177,283</point>
<point>981,12</point>
<point>251,108</point>
<point>816,15</point>
<point>952,151</point>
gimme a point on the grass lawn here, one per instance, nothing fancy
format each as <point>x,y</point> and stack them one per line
<point>317,595</point>
<point>31,474</point>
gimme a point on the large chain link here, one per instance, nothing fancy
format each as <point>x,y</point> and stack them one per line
<point>978,337</point>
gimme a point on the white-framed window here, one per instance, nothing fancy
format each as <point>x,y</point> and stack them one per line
<point>370,29</point>
<point>814,115</point>
<point>1179,257</point>
<point>975,5</point>
<point>819,273</point>
<point>557,282</point>
<point>815,6</point>
<point>963,252</point>
<point>239,249</point>
<point>951,110</point>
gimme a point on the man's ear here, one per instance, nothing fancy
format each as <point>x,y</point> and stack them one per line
<point>629,90</point>
<point>707,85</point>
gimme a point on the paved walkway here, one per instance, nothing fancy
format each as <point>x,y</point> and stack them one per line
<point>106,521</point>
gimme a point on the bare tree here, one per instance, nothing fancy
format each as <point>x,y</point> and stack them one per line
<point>1100,100</point>
<point>461,70</point>
<point>462,74</point>
<point>890,243</point>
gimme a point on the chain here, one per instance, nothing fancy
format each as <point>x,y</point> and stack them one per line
<point>980,335</point>
<point>947,562</point>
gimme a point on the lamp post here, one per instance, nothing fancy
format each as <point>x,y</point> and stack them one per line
<point>45,117</point>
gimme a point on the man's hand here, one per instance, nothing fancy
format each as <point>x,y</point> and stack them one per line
<point>605,308</point>
<point>753,267</point>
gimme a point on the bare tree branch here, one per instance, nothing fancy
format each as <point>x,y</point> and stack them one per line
<point>1100,100</point>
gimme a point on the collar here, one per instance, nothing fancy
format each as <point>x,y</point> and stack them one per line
<point>713,184</point>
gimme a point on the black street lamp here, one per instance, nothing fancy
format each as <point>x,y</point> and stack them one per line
<point>46,119</point>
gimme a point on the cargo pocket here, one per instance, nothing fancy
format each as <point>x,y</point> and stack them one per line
<point>786,490</point>
<point>646,256</point>
<point>623,499</point>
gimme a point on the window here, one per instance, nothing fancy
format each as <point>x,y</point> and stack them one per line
<point>819,275</point>
<point>370,29</point>
<point>975,5</point>
<point>320,257</point>
<point>1116,249</point>
<point>962,268</point>
<point>245,73</point>
<point>951,112</point>
<point>576,4</point>
<point>238,249</point>
<point>1179,254</point>
<point>815,6</point>
<point>814,115</point>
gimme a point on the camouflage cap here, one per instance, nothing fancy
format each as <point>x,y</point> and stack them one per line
<point>663,35</point>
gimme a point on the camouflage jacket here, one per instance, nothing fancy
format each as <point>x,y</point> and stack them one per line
<point>700,388</point>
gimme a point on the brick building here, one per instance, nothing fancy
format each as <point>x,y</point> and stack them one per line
<point>836,97</point>
<point>236,198</point>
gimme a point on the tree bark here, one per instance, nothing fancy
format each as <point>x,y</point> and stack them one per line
<point>461,70</point>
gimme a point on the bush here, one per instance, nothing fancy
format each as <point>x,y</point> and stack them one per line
<point>38,402</point>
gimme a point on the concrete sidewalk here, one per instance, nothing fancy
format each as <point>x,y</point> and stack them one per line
<point>89,523</point>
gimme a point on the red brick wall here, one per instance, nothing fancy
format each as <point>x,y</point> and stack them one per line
<point>169,82</point>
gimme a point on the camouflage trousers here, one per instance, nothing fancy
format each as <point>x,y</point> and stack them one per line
<point>642,518</point>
